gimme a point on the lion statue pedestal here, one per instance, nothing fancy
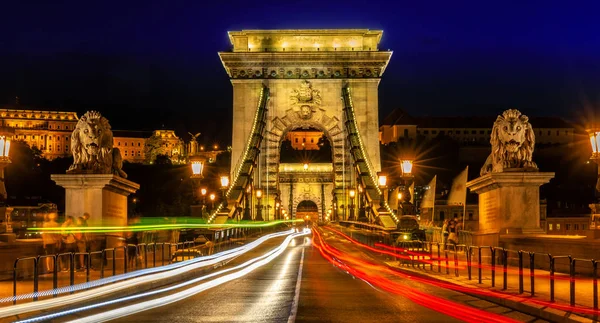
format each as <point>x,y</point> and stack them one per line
<point>95,183</point>
<point>509,185</point>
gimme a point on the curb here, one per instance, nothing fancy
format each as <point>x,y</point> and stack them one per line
<point>515,303</point>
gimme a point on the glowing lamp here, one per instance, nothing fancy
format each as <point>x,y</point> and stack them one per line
<point>277,205</point>
<point>305,166</point>
<point>399,196</point>
<point>197,168</point>
<point>4,147</point>
<point>352,193</point>
<point>406,166</point>
<point>224,181</point>
<point>594,141</point>
<point>212,196</point>
<point>258,193</point>
<point>203,191</point>
<point>382,181</point>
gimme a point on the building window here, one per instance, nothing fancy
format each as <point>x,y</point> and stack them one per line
<point>470,216</point>
<point>132,144</point>
<point>138,144</point>
<point>442,215</point>
<point>557,133</point>
<point>66,137</point>
<point>426,132</point>
<point>58,127</point>
<point>118,143</point>
<point>558,226</point>
<point>33,137</point>
<point>303,139</point>
<point>125,153</point>
<point>549,226</point>
<point>296,140</point>
<point>406,133</point>
<point>312,140</point>
<point>132,153</point>
<point>575,226</point>
<point>139,154</point>
<point>58,147</point>
<point>548,132</point>
<point>125,144</point>
<point>567,227</point>
<point>583,227</point>
<point>67,147</point>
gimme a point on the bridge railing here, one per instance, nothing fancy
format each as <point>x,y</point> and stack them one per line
<point>49,272</point>
<point>526,272</point>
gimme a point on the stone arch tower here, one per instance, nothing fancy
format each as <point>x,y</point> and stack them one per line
<point>305,71</point>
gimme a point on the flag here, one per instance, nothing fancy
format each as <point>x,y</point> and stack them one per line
<point>411,190</point>
<point>458,191</point>
<point>429,197</point>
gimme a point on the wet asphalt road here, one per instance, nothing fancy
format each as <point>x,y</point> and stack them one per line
<point>326,294</point>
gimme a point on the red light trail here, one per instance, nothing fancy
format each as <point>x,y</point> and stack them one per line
<point>396,272</point>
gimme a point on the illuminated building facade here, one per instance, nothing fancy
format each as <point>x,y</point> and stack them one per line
<point>467,130</point>
<point>308,140</point>
<point>50,132</point>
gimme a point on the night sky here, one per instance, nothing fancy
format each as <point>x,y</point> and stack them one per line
<point>148,64</point>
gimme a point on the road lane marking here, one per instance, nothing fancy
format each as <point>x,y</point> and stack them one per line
<point>294,312</point>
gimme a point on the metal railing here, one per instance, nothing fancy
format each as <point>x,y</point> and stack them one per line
<point>135,257</point>
<point>454,259</point>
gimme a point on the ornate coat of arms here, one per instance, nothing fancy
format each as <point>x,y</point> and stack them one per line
<point>304,99</point>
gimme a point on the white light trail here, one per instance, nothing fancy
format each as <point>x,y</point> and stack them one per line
<point>276,251</point>
<point>150,275</point>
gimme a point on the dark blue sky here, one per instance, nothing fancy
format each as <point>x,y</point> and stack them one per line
<point>450,57</point>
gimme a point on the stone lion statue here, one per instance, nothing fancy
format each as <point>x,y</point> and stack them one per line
<point>512,143</point>
<point>92,147</point>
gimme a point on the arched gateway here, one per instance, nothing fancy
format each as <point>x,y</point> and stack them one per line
<point>289,79</point>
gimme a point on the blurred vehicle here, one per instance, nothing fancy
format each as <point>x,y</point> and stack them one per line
<point>408,229</point>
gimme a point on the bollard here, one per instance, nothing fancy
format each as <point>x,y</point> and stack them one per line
<point>455,262</point>
<point>55,276</point>
<point>551,278</point>
<point>505,269</point>
<point>493,266</point>
<point>35,277</point>
<point>446,255</point>
<point>532,272</point>
<point>520,271</point>
<point>103,254</point>
<point>154,254</point>
<point>469,259</point>
<point>88,265</point>
<point>72,269</point>
<point>430,245</point>
<point>114,262</point>
<point>125,258</point>
<point>145,256</point>
<point>439,258</point>
<point>572,282</point>
<point>479,262</point>
<point>595,282</point>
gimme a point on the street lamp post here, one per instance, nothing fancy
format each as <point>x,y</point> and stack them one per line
<point>352,194</point>
<point>212,201</point>
<point>224,186</point>
<point>197,168</point>
<point>247,216</point>
<point>203,193</point>
<point>595,142</point>
<point>382,181</point>
<point>259,205</point>
<point>404,198</point>
<point>399,203</point>
<point>4,161</point>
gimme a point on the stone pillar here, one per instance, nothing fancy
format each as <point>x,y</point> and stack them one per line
<point>509,203</point>
<point>103,196</point>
